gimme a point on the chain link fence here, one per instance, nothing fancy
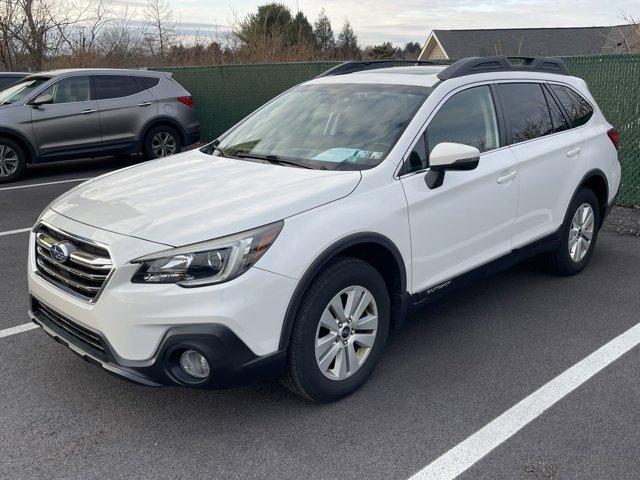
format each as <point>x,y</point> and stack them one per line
<point>224,94</point>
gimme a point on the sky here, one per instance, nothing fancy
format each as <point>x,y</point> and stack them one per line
<point>401,21</point>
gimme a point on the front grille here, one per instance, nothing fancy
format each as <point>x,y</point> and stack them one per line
<point>69,330</point>
<point>84,272</point>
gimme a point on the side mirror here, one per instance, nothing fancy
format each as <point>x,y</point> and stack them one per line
<point>450,156</point>
<point>42,99</point>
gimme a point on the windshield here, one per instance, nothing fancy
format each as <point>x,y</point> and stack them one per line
<point>333,126</point>
<point>21,89</point>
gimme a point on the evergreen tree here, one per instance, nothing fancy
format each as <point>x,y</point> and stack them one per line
<point>323,33</point>
<point>300,29</point>
<point>384,51</point>
<point>348,43</point>
<point>271,19</point>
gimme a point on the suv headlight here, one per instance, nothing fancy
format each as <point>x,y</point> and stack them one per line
<point>210,262</point>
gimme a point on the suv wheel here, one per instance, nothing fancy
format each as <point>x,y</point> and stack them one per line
<point>339,332</point>
<point>578,235</point>
<point>161,141</point>
<point>12,160</point>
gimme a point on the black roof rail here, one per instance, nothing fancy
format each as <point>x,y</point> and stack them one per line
<point>472,65</point>
<point>359,66</point>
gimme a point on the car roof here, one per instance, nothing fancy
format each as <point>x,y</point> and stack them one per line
<point>90,71</point>
<point>427,76</point>
<point>411,75</point>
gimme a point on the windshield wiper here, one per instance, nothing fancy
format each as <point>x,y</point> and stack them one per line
<point>275,159</point>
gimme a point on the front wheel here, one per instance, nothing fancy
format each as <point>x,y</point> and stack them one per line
<point>12,161</point>
<point>579,233</point>
<point>340,331</point>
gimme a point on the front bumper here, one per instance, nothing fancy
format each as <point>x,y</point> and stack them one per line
<point>232,362</point>
<point>236,324</point>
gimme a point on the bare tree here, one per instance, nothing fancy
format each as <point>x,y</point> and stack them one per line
<point>163,28</point>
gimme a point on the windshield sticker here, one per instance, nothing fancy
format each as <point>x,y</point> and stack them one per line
<point>346,154</point>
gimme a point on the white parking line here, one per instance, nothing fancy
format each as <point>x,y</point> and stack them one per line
<point>19,329</point>
<point>45,184</point>
<point>11,232</point>
<point>465,454</point>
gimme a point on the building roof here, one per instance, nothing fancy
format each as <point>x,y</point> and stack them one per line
<point>536,41</point>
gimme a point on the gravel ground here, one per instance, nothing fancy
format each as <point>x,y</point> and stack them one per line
<point>624,220</point>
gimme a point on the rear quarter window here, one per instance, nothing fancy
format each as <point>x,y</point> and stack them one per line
<point>578,109</point>
<point>146,83</point>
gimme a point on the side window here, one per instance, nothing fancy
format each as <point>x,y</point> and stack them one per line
<point>559,121</point>
<point>577,108</point>
<point>527,109</point>
<point>72,89</point>
<point>114,86</point>
<point>468,117</point>
<point>147,82</point>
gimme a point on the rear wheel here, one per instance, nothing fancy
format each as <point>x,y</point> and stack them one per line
<point>579,233</point>
<point>161,141</point>
<point>12,160</point>
<point>339,332</point>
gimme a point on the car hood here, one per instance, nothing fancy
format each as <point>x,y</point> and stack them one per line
<point>192,197</point>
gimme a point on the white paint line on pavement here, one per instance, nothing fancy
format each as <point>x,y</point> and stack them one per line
<point>461,457</point>
<point>19,329</point>
<point>44,184</point>
<point>11,232</point>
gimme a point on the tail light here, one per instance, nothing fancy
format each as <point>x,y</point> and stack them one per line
<point>614,136</point>
<point>188,101</point>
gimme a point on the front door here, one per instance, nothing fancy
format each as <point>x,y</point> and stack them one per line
<point>70,124</point>
<point>469,219</point>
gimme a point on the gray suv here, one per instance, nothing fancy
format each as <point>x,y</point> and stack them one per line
<point>83,113</point>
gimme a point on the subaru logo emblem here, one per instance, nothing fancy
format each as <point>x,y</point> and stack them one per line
<point>61,251</point>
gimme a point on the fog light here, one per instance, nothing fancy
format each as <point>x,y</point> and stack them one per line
<point>194,364</point>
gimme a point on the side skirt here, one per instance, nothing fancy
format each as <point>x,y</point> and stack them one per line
<point>543,245</point>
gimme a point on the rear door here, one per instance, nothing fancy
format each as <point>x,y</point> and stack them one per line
<point>70,124</point>
<point>125,106</point>
<point>547,152</point>
<point>468,220</point>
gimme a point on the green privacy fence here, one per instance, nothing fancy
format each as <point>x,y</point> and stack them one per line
<point>224,94</point>
<point>614,81</point>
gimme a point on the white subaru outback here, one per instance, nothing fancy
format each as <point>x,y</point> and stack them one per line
<point>291,245</point>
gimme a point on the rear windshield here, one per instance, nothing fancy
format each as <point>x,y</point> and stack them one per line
<point>330,126</point>
<point>21,89</point>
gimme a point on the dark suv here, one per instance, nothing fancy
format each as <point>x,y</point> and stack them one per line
<point>83,113</point>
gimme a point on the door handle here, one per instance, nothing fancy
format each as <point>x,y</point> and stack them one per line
<point>88,110</point>
<point>507,177</point>
<point>144,104</point>
<point>573,151</point>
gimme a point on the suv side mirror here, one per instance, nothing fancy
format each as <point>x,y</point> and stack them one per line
<point>450,156</point>
<point>42,99</point>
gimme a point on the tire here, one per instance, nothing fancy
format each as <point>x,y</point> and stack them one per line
<point>566,261</point>
<point>169,139</point>
<point>353,278</point>
<point>13,160</point>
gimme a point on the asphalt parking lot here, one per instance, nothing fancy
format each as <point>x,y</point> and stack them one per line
<point>450,372</point>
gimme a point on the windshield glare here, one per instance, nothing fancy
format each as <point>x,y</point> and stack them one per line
<point>334,126</point>
<point>21,89</point>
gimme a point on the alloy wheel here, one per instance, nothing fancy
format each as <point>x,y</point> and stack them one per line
<point>8,160</point>
<point>581,232</point>
<point>163,144</point>
<point>346,332</point>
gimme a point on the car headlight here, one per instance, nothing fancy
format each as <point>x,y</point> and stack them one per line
<point>210,262</point>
